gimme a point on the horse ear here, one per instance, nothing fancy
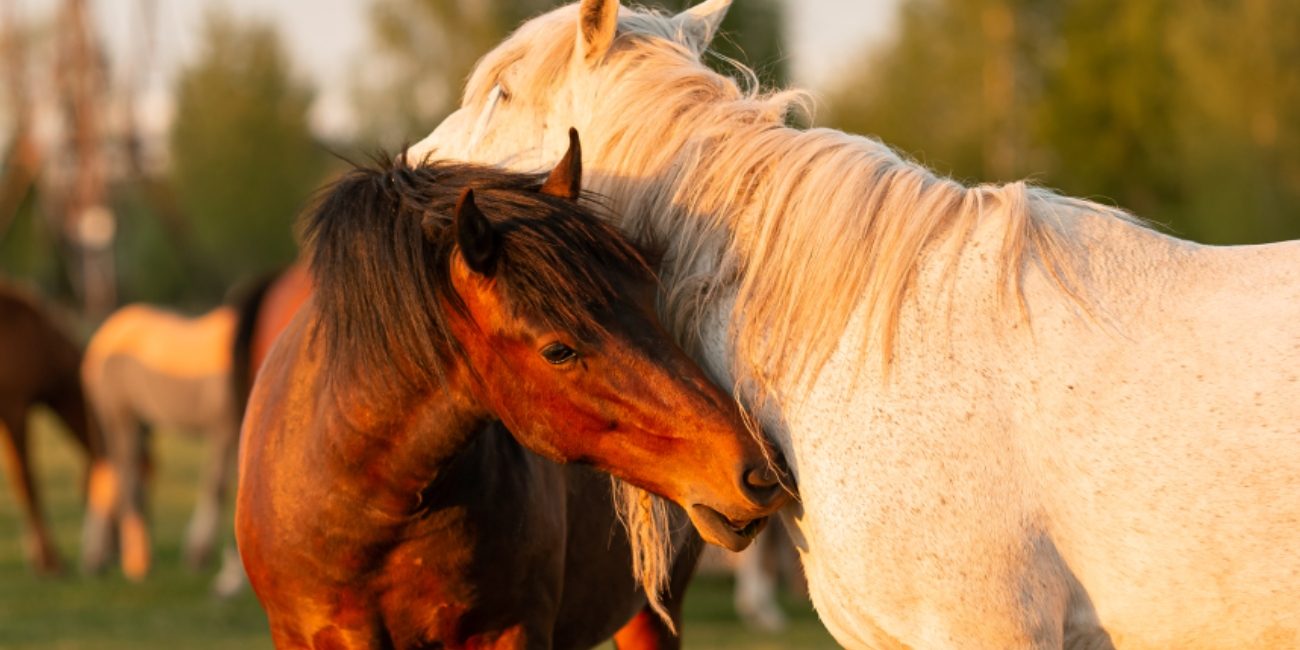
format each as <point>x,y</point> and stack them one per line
<point>479,243</point>
<point>565,181</point>
<point>700,23</point>
<point>597,26</point>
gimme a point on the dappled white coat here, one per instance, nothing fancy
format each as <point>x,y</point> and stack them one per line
<point>1015,419</point>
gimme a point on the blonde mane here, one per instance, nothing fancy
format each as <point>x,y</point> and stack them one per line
<point>806,227</point>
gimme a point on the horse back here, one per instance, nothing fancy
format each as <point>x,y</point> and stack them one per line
<point>168,343</point>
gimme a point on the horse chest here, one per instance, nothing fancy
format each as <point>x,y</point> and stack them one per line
<point>482,561</point>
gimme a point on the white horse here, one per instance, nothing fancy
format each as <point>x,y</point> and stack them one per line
<point>1016,419</point>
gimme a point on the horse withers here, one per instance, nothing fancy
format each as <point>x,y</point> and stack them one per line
<point>39,365</point>
<point>471,328</point>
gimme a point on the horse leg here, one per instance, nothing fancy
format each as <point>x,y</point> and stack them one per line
<point>647,630</point>
<point>103,494</point>
<point>106,491</point>
<point>201,535</point>
<point>125,442</point>
<point>99,485</point>
<point>41,552</point>
<point>70,405</point>
<point>230,577</point>
<point>756,581</point>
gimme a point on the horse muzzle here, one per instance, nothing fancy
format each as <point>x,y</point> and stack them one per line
<point>719,530</point>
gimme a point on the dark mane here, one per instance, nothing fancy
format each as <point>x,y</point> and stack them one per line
<point>382,285</point>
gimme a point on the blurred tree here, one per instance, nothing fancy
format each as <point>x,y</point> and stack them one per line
<point>427,49</point>
<point>244,161</point>
<point>954,85</point>
<point>1187,113</point>
<point>1111,90</point>
<point>1237,67</point>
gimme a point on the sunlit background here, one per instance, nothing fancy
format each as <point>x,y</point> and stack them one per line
<point>196,128</point>
<point>159,151</point>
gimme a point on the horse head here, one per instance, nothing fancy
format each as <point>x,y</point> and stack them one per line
<point>568,352</point>
<point>552,73</point>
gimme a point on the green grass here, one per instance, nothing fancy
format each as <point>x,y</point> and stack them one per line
<point>174,607</point>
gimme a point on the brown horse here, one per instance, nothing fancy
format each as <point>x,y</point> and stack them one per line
<point>399,485</point>
<point>38,365</point>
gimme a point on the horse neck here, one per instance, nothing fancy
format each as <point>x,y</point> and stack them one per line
<point>397,438</point>
<point>800,228</point>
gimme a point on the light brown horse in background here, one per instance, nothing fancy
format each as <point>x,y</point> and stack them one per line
<point>39,365</point>
<point>148,367</point>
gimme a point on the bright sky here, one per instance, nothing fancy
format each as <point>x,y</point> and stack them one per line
<point>326,36</point>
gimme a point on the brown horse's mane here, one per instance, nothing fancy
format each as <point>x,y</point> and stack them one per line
<point>380,241</point>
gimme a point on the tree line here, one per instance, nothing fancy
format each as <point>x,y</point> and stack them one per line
<point>1185,112</point>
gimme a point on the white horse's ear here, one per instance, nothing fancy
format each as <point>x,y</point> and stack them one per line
<point>699,24</point>
<point>597,26</point>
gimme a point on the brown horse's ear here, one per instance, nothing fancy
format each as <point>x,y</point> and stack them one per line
<point>597,26</point>
<point>479,242</point>
<point>565,181</point>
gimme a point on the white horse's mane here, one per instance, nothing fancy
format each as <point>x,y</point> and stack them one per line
<point>808,225</point>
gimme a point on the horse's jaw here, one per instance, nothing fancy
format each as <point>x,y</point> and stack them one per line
<point>718,530</point>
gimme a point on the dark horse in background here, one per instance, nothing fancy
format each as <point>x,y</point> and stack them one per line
<point>399,477</point>
<point>39,364</point>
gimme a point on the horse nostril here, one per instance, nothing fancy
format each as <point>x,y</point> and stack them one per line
<point>762,478</point>
<point>763,484</point>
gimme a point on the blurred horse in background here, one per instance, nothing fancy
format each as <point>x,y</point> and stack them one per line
<point>1016,419</point>
<point>151,369</point>
<point>214,361</point>
<point>39,364</point>
<point>471,328</point>
<point>761,573</point>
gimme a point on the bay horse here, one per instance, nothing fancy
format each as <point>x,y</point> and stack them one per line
<point>39,365</point>
<point>1015,419</point>
<point>471,329</point>
<point>147,367</point>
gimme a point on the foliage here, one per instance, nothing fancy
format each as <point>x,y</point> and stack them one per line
<point>26,248</point>
<point>427,48</point>
<point>244,160</point>
<point>1187,113</point>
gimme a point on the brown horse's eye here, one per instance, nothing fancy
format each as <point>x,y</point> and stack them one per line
<point>558,354</point>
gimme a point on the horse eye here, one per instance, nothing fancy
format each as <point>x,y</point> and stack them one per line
<point>558,354</point>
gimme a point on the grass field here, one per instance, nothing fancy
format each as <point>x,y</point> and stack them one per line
<point>174,608</point>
